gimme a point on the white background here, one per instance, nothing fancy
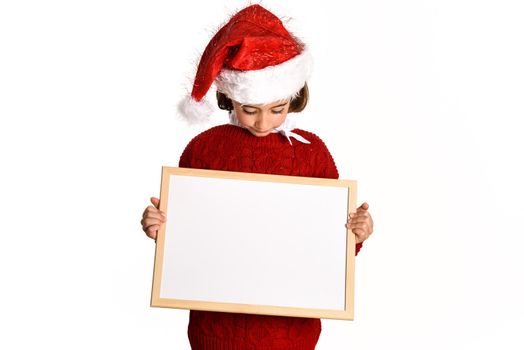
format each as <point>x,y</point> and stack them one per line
<point>419,101</point>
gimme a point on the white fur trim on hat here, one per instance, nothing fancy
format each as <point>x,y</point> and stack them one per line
<point>195,112</point>
<point>270,84</point>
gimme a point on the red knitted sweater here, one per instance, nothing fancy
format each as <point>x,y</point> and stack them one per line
<point>231,148</point>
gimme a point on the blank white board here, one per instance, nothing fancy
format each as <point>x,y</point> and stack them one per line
<point>254,243</point>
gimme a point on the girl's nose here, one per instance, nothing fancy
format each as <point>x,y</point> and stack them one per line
<point>262,122</point>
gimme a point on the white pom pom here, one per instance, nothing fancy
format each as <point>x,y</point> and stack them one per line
<point>195,112</point>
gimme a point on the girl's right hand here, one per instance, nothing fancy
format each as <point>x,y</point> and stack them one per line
<point>152,219</point>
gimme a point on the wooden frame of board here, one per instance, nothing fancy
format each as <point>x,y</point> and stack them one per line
<point>214,260</point>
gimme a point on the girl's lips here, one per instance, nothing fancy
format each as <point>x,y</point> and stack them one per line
<point>260,131</point>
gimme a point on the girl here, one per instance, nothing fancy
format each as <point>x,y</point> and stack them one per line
<point>260,71</point>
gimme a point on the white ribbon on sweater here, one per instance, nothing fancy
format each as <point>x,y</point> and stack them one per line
<point>284,129</point>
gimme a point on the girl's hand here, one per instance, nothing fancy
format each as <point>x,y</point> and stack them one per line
<point>361,223</point>
<point>152,219</point>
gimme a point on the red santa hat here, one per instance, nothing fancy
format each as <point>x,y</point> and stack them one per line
<point>252,59</point>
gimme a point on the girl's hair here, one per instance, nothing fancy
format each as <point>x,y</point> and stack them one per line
<point>298,102</point>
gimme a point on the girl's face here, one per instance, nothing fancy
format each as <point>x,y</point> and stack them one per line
<point>260,120</point>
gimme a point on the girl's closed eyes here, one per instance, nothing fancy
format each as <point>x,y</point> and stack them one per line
<point>249,111</point>
<point>253,112</point>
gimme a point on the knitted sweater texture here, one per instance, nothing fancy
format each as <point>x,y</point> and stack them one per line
<point>231,148</point>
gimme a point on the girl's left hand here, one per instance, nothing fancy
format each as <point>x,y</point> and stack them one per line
<point>361,223</point>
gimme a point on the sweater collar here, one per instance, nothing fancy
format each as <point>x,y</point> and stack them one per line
<point>285,129</point>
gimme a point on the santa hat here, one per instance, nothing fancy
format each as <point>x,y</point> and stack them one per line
<point>252,59</point>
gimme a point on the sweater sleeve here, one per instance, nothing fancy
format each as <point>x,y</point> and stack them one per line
<point>328,169</point>
<point>187,154</point>
<point>327,166</point>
